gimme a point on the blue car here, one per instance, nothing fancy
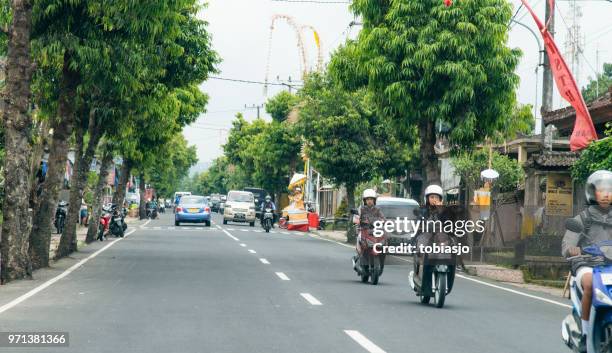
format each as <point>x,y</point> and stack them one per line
<point>192,209</point>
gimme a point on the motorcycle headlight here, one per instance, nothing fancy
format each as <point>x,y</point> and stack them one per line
<point>602,297</point>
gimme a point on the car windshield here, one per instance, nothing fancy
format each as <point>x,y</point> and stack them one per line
<point>240,197</point>
<point>398,210</point>
<point>193,200</point>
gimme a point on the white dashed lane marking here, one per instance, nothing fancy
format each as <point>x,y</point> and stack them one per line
<point>364,341</point>
<point>282,276</point>
<point>309,298</point>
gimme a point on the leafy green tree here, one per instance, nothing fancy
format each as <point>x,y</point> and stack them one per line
<point>346,141</point>
<point>598,156</point>
<point>171,165</point>
<point>468,166</point>
<point>281,105</point>
<point>274,151</point>
<point>599,86</point>
<point>425,63</point>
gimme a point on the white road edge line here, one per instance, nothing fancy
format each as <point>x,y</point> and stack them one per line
<point>145,224</point>
<point>264,261</point>
<point>282,276</point>
<point>228,234</point>
<point>252,251</point>
<point>468,278</point>
<point>312,300</point>
<point>243,245</point>
<point>504,288</point>
<point>48,283</point>
<point>364,342</point>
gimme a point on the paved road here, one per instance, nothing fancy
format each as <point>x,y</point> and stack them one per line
<point>233,288</point>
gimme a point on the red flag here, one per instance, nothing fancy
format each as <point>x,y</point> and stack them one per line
<point>448,2</point>
<point>584,131</point>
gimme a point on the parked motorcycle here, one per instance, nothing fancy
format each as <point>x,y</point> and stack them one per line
<point>268,219</point>
<point>60,216</point>
<point>599,335</point>
<point>112,222</point>
<point>369,263</point>
<point>433,274</point>
<point>104,222</point>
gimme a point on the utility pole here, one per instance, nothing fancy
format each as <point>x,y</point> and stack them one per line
<point>547,78</point>
<point>255,106</point>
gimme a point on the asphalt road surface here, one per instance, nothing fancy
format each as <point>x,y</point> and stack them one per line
<point>234,288</point>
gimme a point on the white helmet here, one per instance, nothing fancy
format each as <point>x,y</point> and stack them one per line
<point>369,193</point>
<point>600,180</point>
<point>434,189</point>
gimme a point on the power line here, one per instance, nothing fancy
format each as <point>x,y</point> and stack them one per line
<point>249,81</point>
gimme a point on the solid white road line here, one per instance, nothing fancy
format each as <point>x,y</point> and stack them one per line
<point>282,276</point>
<point>252,251</point>
<point>364,342</point>
<point>145,224</point>
<point>515,291</point>
<point>228,234</point>
<point>157,228</point>
<point>312,300</point>
<point>264,261</point>
<point>170,228</point>
<point>32,292</point>
<point>469,278</point>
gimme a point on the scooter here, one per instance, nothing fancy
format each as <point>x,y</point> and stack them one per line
<point>370,261</point>
<point>599,334</point>
<point>60,216</point>
<point>104,222</point>
<point>268,219</point>
<point>117,224</point>
<point>152,212</point>
<point>433,274</point>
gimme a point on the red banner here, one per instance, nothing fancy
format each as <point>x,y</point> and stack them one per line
<point>584,131</point>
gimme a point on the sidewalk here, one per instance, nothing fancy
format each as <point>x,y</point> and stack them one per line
<point>81,235</point>
<point>496,273</point>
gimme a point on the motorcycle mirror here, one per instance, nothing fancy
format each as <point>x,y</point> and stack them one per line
<point>573,225</point>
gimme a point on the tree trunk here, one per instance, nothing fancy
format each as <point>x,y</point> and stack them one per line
<point>14,259</point>
<point>429,159</point>
<point>143,207</point>
<point>92,230</point>
<point>40,236</point>
<point>119,195</point>
<point>351,236</point>
<point>68,241</point>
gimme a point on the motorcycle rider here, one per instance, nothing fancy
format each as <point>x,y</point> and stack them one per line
<point>596,220</point>
<point>368,214</point>
<point>268,203</point>
<point>430,211</point>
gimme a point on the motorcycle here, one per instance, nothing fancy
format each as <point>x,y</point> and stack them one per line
<point>599,335</point>
<point>60,216</point>
<point>104,222</point>
<point>152,211</point>
<point>112,222</point>
<point>268,219</point>
<point>369,263</point>
<point>433,274</point>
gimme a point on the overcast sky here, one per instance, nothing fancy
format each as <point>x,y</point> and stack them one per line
<point>241,35</point>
